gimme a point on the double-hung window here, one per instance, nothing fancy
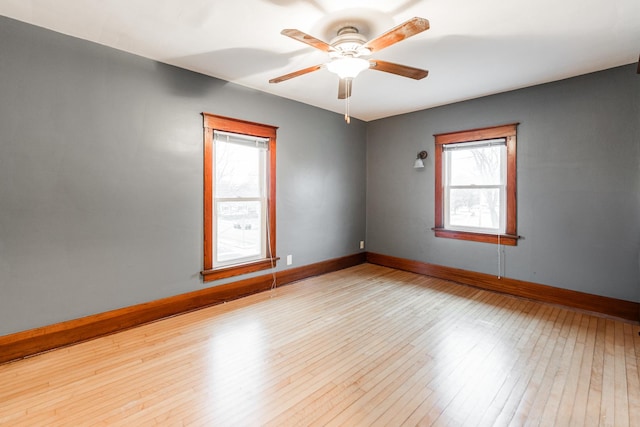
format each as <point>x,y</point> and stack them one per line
<point>239,198</point>
<point>239,202</point>
<point>476,185</point>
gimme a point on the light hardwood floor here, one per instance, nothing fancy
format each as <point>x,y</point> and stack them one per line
<point>363,346</point>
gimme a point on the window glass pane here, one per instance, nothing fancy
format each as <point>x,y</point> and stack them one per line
<point>238,169</point>
<point>239,230</point>
<point>479,165</point>
<point>478,207</point>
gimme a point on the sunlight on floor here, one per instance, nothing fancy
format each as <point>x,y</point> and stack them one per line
<point>236,368</point>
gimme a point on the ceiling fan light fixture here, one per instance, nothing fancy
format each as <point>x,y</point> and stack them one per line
<point>347,68</point>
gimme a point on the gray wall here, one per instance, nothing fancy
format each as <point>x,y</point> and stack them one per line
<point>101,177</point>
<point>578,184</point>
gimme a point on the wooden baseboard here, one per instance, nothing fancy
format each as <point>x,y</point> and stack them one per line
<point>34,341</point>
<point>621,309</point>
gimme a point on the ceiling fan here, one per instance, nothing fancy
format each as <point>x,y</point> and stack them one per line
<point>349,50</point>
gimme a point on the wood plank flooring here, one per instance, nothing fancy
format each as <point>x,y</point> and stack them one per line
<point>359,347</point>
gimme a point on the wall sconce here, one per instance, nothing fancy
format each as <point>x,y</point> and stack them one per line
<point>419,164</point>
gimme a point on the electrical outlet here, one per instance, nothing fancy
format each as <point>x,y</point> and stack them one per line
<point>361,244</point>
<point>289,259</point>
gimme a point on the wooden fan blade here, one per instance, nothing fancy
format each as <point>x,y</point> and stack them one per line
<point>403,31</point>
<point>344,88</point>
<point>400,70</point>
<point>295,74</point>
<point>306,38</point>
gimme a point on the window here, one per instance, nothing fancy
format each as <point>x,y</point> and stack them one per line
<point>476,185</point>
<point>239,197</point>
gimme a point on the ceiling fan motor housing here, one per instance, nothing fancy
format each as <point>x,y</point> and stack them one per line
<point>349,42</point>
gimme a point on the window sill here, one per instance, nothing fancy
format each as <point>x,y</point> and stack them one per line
<point>505,239</point>
<point>238,269</point>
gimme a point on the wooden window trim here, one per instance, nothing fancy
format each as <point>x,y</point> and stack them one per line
<point>508,131</point>
<point>213,122</point>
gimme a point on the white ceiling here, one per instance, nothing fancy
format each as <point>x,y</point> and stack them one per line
<point>473,47</point>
